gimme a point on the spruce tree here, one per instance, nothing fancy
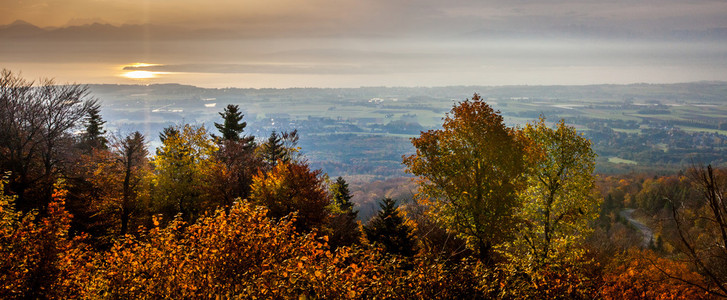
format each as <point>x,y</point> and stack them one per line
<point>280,147</point>
<point>93,137</point>
<point>342,196</point>
<point>389,229</point>
<point>231,128</point>
<point>344,228</point>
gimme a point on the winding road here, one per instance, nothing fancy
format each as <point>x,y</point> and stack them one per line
<point>645,230</point>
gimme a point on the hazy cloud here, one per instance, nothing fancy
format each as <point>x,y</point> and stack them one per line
<point>377,42</point>
<point>286,18</point>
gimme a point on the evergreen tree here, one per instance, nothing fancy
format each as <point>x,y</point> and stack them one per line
<point>344,228</point>
<point>237,154</point>
<point>279,147</point>
<point>273,150</point>
<point>93,137</point>
<point>389,229</point>
<point>342,196</point>
<point>231,128</point>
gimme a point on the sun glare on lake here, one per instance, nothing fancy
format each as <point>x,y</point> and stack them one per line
<point>132,71</point>
<point>139,75</point>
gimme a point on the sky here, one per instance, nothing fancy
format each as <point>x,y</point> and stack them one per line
<point>351,43</point>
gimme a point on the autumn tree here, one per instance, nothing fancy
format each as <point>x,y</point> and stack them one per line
<point>293,187</point>
<point>469,172</point>
<point>641,274</point>
<point>131,153</point>
<point>701,228</point>
<point>181,168</point>
<point>237,154</point>
<point>343,226</point>
<point>38,260</point>
<point>36,120</point>
<point>389,229</point>
<point>433,237</point>
<point>558,200</point>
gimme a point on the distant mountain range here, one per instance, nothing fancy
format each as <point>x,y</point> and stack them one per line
<point>21,30</point>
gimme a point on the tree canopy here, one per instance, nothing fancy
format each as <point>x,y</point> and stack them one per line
<point>469,173</point>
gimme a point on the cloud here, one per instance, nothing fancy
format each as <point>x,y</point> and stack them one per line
<point>387,18</point>
<point>253,68</point>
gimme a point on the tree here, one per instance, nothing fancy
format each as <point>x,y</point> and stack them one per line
<point>132,154</point>
<point>641,274</point>
<point>181,168</point>
<point>343,226</point>
<point>469,172</point>
<point>35,137</point>
<point>342,196</point>
<point>292,187</point>
<point>389,228</point>
<point>93,137</point>
<point>231,127</point>
<point>279,148</point>
<point>237,154</point>
<point>558,203</point>
<point>38,260</point>
<point>701,229</point>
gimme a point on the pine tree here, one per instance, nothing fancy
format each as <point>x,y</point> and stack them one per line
<point>93,137</point>
<point>389,229</point>
<point>273,149</point>
<point>344,228</point>
<point>280,147</point>
<point>342,196</point>
<point>231,128</point>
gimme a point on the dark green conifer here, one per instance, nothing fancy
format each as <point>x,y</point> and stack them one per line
<point>231,128</point>
<point>344,228</point>
<point>389,229</point>
<point>280,147</point>
<point>342,196</point>
<point>93,137</point>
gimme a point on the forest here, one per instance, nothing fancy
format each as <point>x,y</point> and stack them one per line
<point>500,212</point>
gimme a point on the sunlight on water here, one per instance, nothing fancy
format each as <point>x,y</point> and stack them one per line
<point>139,75</point>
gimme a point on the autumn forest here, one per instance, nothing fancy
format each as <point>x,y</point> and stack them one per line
<point>499,212</point>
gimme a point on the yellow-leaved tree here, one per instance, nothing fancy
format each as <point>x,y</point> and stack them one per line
<point>558,200</point>
<point>181,168</point>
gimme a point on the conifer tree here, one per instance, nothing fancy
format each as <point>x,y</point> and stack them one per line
<point>279,147</point>
<point>344,228</point>
<point>388,228</point>
<point>237,154</point>
<point>342,196</point>
<point>93,137</point>
<point>231,128</point>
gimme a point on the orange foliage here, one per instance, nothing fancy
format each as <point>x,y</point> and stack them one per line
<point>245,254</point>
<point>641,274</point>
<point>292,187</point>
<point>37,258</point>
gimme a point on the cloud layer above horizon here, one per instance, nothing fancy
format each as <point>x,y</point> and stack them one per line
<point>381,18</point>
<point>325,43</point>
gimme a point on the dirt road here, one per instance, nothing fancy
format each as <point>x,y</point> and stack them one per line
<point>645,230</point>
